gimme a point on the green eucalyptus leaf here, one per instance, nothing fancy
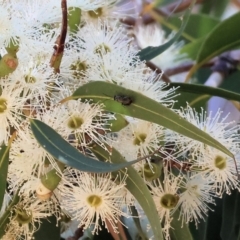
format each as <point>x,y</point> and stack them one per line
<point>136,219</point>
<point>225,36</point>
<point>192,48</point>
<point>205,90</point>
<point>179,231</point>
<point>49,229</point>
<point>53,143</point>
<point>4,220</point>
<point>214,221</point>
<point>220,8</point>
<point>231,82</point>
<point>198,25</point>
<point>137,187</point>
<point>4,160</point>
<point>211,7</point>
<point>144,108</point>
<point>149,53</point>
<point>231,216</point>
<point>199,232</point>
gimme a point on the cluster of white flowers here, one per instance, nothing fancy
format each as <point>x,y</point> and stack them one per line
<point>191,174</point>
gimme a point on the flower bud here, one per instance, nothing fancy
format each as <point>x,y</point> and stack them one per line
<point>119,123</point>
<point>8,64</point>
<point>74,19</point>
<point>151,172</point>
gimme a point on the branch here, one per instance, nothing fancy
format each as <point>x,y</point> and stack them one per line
<point>59,44</point>
<point>184,68</point>
<point>155,68</point>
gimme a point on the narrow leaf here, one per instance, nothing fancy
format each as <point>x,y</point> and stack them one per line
<point>149,53</point>
<point>53,143</point>
<point>144,108</point>
<point>221,39</point>
<point>49,229</point>
<point>201,89</point>
<point>136,219</point>
<point>137,187</point>
<point>192,48</point>
<point>179,231</point>
<point>225,36</point>
<point>4,158</point>
<point>230,216</point>
<point>198,26</point>
<point>4,220</point>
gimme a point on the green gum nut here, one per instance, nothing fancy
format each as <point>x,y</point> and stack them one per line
<point>151,172</point>
<point>8,64</point>
<point>13,47</point>
<point>74,19</point>
<point>51,179</point>
<point>119,123</point>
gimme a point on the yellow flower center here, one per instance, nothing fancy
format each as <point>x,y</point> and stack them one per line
<point>151,172</point>
<point>102,49</point>
<point>220,162</point>
<point>140,138</point>
<point>96,13</point>
<point>78,69</point>
<point>94,201</point>
<point>75,122</point>
<point>3,105</point>
<point>29,79</point>
<point>169,201</point>
<point>22,217</point>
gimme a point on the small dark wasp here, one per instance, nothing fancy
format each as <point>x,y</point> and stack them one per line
<point>124,100</point>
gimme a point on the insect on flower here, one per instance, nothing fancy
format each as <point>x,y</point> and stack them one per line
<point>125,100</point>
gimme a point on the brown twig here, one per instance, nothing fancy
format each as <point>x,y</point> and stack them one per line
<point>236,2</point>
<point>155,68</point>
<point>184,68</point>
<point>59,44</point>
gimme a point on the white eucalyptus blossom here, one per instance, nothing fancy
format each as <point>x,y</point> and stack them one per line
<point>29,161</point>
<point>103,39</point>
<point>184,176</point>
<point>216,126</point>
<point>106,10</point>
<point>166,198</point>
<point>139,138</point>
<point>87,5</point>
<point>34,15</point>
<point>36,80</point>
<point>152,35</point>
<point>37,48</point>
<point>81,123</point>
<point>93,197</point>
<point>9,25</point>
<point>11,107</point>
<point>196,197</point>
<point>26,218</point>
<point>219,168</point>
